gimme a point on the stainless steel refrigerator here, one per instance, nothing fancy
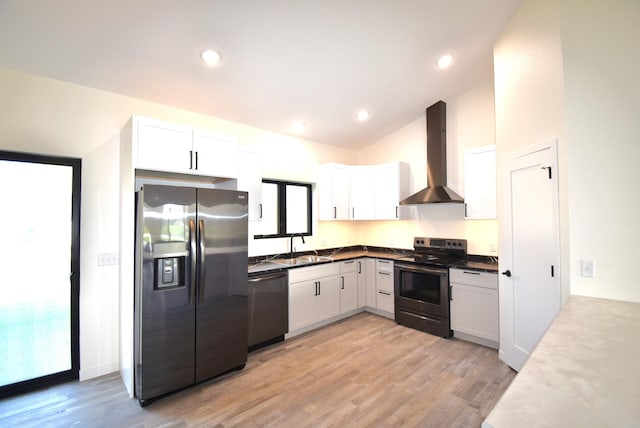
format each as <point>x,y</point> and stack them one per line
<point>191,287</point>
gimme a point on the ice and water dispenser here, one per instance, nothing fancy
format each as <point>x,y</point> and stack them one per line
<point>168,265</point>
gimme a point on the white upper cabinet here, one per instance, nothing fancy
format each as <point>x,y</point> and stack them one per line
<point>168,147</point>
<point>480,183</point>
<point>162,146</point>
<point>217,154</point>
<point>333,192</point>
<point>391,185</point>
<point>375,191</point>
<point>250,180</point>
<point>362,193</point>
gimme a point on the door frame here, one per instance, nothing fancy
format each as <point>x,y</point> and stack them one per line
<point>73,373</point>
<point>506,238</point>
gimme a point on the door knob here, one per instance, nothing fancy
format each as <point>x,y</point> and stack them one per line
<point>507,273</point>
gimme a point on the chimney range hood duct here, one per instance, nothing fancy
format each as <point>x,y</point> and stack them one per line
<point>437,190</point>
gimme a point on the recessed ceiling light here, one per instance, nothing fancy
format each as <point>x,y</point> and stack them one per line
<point>444,61</point>
<point>210,57</point>
<point>299,126</point>
<point>362,115</point>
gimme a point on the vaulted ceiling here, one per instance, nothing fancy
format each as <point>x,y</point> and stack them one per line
<point>316,61</point>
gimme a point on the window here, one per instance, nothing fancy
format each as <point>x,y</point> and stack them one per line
<point>286,209</point>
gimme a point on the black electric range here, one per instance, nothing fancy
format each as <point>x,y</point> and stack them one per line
<point>422,286</point>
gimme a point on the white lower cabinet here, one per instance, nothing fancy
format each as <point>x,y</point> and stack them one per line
<point>325,293</point>
<point>474,306</point>
<point>384,286</point>
<point>314,295</point>
<point>348,286</point>
<point>370,282</point>
<point>361,270</point>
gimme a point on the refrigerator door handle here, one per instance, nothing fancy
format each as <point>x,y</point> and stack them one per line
<point>201,239</point>
<point>193,260</point>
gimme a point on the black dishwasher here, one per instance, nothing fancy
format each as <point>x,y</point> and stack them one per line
<point>268,308</point>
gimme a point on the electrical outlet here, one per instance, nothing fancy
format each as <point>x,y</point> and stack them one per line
<point>107,259</point>
<point>587,268</point>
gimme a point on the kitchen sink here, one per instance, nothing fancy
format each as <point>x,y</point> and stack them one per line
<point>303,260</point>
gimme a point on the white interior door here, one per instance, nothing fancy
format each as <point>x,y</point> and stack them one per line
<point>530,293</point>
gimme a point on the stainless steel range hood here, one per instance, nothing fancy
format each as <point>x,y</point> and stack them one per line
<point>437,190</point>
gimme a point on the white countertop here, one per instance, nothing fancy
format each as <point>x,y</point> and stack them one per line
<point>585,372</point>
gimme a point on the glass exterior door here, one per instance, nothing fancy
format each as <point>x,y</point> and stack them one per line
<point>39,224</point>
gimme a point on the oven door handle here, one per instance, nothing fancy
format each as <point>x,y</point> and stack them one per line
<point>409,268</point>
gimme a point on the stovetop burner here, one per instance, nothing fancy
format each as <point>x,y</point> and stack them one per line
<point>439,251</point>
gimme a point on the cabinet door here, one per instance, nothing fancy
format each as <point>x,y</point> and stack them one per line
<point>387,192</point>
<point>474,311</point>
<point>333,192</point>
<point>371,291</point>
<point>216,155</point>
<point>303,304</point>
<point>361,271</point>
<point>348,292</point>
<point>480,183</point>
<point>250,180</point>
<point>362,192</point>
<point>327,302</point>
<point>163,146</point>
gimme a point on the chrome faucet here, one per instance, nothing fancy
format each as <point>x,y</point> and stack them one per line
<point>291,244</point>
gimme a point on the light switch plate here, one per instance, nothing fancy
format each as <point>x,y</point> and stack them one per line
<point>107,259</point>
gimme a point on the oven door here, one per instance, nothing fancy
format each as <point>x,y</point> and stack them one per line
<point>422,289</point>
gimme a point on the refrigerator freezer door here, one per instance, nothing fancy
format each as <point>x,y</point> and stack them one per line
<point>222,311</point>
<point>164,313</point>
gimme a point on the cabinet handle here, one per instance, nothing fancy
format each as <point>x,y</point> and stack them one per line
<point>465,210</point>
<point>260,210</point>
<point>342,286</point>
<point>450,293</point>
<point>335,212</point>
<point>397,216</point>
<point>359,267</point>
<point>470,273</point>
<point>196,160</point>
<point>386,293</point>
<point>384,273</point>
<point>349,262</point>
<point>190,159</point>
<point>319,289</point>
<point>353,213</point>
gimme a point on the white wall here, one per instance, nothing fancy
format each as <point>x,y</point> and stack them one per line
<point>602,86</point>
<point>470,123</point>
<point>99,285</point>
<point>570,69</point>
<point>529,99</point>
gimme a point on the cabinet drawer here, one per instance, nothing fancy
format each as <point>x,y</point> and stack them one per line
<point>475,278</point>
<point>348,266</point>
<point>313,272</point>
<point>384,265</point>
<point>384,281</point>
<point>384,301</point>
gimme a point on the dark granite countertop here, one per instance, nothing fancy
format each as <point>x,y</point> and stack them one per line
<point>263,264</point>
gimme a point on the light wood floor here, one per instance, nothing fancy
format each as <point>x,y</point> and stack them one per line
<point>363,371</point>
